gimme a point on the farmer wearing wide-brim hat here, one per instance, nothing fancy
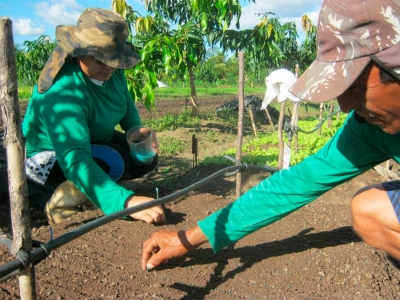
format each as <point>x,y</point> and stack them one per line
<point>69,126</point>
<point>358,62</point>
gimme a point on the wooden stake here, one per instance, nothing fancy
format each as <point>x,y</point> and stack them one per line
<point>321,112</point>
<point>240,123</point>
<point>253,123</point>
<point>270,119</point>
<point>14,143</point>
<point>331,107</point>
<point>295,118</point>
<point>280,135</point>
<point>294,122</point>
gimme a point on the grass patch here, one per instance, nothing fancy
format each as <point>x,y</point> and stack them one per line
<point>170,146</point>
<point>171,122</point>
<point>202,91</point>
<point>24,92</point>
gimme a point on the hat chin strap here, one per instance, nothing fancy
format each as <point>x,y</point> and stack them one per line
<point>384,67</point>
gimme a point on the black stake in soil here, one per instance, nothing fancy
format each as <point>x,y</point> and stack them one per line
<point>194,150</point>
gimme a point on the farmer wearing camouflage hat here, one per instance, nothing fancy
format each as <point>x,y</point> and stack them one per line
<point>358,61</point>
<point>69,126</point>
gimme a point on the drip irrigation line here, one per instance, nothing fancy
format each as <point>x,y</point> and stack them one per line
<point>34,256</point>
<point>296,129</point>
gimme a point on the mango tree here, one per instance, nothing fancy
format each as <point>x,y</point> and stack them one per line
<point>32,58</point>
<point>184,47</point>
<point>308,47</point>
<point>268,45</point>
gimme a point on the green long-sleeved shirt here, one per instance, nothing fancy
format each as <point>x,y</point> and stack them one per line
<point>355,148</point>
<point>71,115</point>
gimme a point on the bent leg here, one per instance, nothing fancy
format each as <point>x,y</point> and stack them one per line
<point>375,215</point>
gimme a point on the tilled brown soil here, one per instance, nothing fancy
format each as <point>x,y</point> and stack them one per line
<point>311,254</point>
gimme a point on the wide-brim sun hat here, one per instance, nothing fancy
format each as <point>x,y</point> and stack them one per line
<point>350,34</point>
<point>99,33</point>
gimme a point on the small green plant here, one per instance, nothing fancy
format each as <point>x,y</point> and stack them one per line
<point>265,151</point>
<point>170,146</point>
<point>171,122</point>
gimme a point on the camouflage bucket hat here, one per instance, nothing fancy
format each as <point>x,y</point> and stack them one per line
<point>351,34</point>
<point>99,33</point>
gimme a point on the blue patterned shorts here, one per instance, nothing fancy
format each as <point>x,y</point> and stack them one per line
<point>392,189</point>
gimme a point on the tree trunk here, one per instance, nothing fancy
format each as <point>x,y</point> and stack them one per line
<point>193,96</point>
<point>14,143</point>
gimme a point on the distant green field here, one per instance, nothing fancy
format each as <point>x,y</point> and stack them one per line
<point>25,92</point>
<point>201,91</point>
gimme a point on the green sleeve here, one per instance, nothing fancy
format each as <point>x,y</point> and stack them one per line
<point>68,117</point>
<point>70,136</point>
<point>353,150</point>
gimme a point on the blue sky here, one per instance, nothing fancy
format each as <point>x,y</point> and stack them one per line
<point>32,18</point>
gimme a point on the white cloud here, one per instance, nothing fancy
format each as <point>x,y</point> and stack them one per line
<point>58,12</point>
<point>26,27</point>
<point>286,11</point>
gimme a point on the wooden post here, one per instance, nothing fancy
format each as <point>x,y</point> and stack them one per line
<point>295,117</point>
<point>331,106</point>
<point>240,123</point>
<point>321,112</point>
<point>294,123</point>
<point>280,135</point>
<point>270,119</point>
<point>253,123</point>
<point>15,148</point>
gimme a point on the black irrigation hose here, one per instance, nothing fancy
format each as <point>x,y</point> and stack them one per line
<point>12,268</point>
<point>296,129</point>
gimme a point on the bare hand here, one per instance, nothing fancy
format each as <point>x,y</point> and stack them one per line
<point>165,245</point>
<point>151,215</point>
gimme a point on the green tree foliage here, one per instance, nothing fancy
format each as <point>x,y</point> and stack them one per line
<point>210,15</point>
<point>32,59</point>
<point>180,53</point>
<point>271,45</point>
<point>205,72</point>
<point>182,48</point>
<point>217,70</point>
<point>308,48</point>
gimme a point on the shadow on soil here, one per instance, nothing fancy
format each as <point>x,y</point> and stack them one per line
<point>251,255</point>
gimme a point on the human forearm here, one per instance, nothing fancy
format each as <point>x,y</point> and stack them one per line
<point>170,244</point>
<point>343,157</point>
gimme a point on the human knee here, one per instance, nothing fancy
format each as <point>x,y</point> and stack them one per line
<point>365,208</point>
<point>361,205</point>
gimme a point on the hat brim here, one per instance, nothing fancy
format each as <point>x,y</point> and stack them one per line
<point>50,70</point>
<point>324,81</point>
<point>124,58</point>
